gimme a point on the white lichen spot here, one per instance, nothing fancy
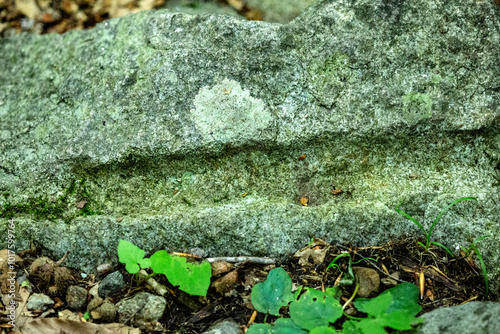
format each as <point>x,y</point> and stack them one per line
<point>229,114</point>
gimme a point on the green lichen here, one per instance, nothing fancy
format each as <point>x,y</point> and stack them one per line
<point>53,209</point>
<point>435,79</point>
<point>329,78</point>
<point>416,107</point>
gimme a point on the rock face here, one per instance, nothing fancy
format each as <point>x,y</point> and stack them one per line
<point>470,318</point>
<point>177,131</point>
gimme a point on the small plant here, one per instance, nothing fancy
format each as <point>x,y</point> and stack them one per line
<point>191,278</point>
<point>348,279</point>
<point>313,311</point>
<point>428,241</point>
<point>468,253</point>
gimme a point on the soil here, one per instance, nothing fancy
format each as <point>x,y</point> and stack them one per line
<point>449,281</point>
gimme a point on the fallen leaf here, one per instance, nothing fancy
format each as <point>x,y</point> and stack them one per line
<point>56,325</point>
<point>221,267</point>
<point>337,192</point>
<point>81,204</point>
<point>236,4</point>
<point>28,8</point>
<point>227,282</point>
<point>304,200</point>
<point>302,157</point>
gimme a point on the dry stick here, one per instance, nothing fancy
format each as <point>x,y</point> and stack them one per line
<point>258,260</point>
<point>161,290</point>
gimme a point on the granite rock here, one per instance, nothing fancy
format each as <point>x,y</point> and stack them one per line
<point>469,318</point>
<point>177,131</point>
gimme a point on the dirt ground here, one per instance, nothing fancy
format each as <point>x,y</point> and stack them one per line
<point>448,281</point>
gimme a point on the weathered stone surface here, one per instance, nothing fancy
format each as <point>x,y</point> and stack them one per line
<point>226,326</point>
<point>161,122</point>
<point>141,309</point>
<point>195,7</point>
<point>39,301</point>
<point>282,11</point>
<point>76,297</point>
<point>470,318</point>
<point>111,284</point>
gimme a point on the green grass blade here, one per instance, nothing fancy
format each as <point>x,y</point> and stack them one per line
<point>332,264</point>
<point>424,246</point>
<point>483,268</point>
<point>446,210</point>
<point>412,219</point>
<point>442,246</point>
<point>481,238</point>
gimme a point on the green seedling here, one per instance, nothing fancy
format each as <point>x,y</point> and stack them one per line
<point>314,311</point>
<point>191,278</point>
<point>428,241</point>
<point>132,256</point>
<point>348,279</point>
<point>468,252</point>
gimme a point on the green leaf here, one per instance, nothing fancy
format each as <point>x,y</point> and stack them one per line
<point>281,326</point>
<point>315,309</point>
<point>393,308</point>
<point>404,297</point>
<point>332,264</point>
<point>260,329</point>
<point>334,292</point>
<point>374,307</point>
<point>130,255</point>
<point>371,326</point>
<point>446,210</point>
<point>483,267</point>
<point>400,320</point>
<point>322,330</point>
<point>350,327</point>
<point>287,326</point>
<point>442,246</point>
<point>145,263</point>
<point>273,293</point>
<point>191,278</point>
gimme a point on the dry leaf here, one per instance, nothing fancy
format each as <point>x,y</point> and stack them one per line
<point>236,4</point>
<point>227,282</point>
<point>81,204</point>
<point>302,157</point>
<point>337,192</point>
<point>28,8</point>
<point>316,251</point>
<point>221,267</point>
<point>316,255</point>
<point>304,200</point>
<point>56,325</point>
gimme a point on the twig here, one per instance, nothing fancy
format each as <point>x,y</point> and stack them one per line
<point>258,260</point>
